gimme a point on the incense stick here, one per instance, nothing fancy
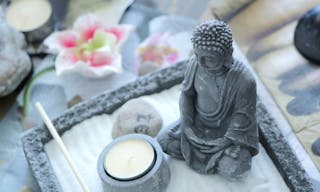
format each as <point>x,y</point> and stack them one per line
<point>61,145</point>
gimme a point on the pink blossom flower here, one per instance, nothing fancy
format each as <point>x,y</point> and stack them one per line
<point>161,50</point>
<point>156,49</point>
<point>90,47</point>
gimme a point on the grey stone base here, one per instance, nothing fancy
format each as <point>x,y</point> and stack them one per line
<point>270,136</point>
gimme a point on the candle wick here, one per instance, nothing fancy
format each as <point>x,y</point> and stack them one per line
<point>131,159</point>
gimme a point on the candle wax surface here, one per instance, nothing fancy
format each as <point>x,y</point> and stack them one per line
<point>129,159</point>
<point>28,15</point>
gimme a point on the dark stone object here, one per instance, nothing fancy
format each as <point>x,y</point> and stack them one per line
<point>38,35</point>
<point>307,35</point>
<point>217,133</point>
<point>156,180</point>
<point>315,147</point>
<point>59,12</point>
<point>271,138</point>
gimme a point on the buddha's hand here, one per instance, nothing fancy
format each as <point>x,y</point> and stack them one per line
<point>233,151</point>
<point>175,131</point>
<point>216,145</point>
<point>188,131</point>
<point>195,140</point>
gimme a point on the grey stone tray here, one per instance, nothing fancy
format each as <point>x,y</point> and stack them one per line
<point>270,137</point>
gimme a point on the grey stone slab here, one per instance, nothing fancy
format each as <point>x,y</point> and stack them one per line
<point>270,136</point>
<point>280,152</point>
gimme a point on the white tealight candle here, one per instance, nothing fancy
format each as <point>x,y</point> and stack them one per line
<point>129,159</point>
<point>28,15</point>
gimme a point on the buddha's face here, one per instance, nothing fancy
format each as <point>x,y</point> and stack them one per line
<point>211,60</point>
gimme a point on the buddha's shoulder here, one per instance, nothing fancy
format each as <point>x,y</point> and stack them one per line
<point>192,60</point>
<point>244,74</point>
<point>191,65</point>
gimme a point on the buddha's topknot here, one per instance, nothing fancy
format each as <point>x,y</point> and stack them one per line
<point>213,36</point>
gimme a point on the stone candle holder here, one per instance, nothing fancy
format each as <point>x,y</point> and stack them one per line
<point>155,179</point>
<point>34,32</point>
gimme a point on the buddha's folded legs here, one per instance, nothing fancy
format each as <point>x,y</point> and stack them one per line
<point>234,168</point>
<point>232,162</point>
<point>170,140</point>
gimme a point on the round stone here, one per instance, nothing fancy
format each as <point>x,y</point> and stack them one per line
<point>307,35</point>
<point>15,64</point>
<point>137,116</point>
<point>315,147</point>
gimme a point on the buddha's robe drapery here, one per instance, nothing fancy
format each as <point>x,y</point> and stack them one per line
<point>235,115</point>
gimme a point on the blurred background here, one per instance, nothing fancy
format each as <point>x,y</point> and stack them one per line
<point>153,35</point>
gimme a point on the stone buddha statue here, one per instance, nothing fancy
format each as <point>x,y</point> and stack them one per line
<point>217,131</point>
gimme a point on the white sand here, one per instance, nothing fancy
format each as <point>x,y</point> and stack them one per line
<point>86,140</point>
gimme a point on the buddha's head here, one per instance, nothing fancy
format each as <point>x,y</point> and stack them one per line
<point>212,44</point>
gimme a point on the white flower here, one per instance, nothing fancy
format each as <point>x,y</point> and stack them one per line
<point>90,48</point>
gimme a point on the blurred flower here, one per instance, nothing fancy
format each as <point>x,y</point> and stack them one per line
<point>90,48</point>
<point>161,50</point>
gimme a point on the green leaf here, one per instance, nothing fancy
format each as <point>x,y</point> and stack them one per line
<point>27,91</point>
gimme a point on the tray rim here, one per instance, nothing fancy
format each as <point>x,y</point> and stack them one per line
<point>34,140</point>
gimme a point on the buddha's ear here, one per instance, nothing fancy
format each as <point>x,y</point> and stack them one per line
<point>228,61</point>
<point>197,56</point>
